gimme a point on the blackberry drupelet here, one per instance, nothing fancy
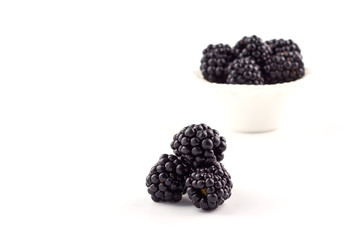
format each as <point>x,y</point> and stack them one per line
<point>166,180</point>
<point>244,71</point>
<point>283,46</point>
<point>209,187</point>
<point>214,62</point>
<point>254,48</point>
<point>199,144</point>
<point>283,67</point>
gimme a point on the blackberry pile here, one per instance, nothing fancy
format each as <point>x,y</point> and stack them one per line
<point>253,61</point>
<point>195,169</point>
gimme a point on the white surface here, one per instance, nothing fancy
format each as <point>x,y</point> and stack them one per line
<point>91,93</point>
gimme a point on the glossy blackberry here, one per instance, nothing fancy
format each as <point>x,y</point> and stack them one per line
<point>283,46</point>
<point>166,180</point>
<point>209,187</point>
<point>244,71</point>
<point>214,62</point>
<point>283,67</point>
<point>199,144</point>
<point>254,48</point>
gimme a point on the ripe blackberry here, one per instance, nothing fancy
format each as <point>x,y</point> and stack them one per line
<point>254,48</point>
<point>283,67</point>
<point>166,180</point>
<point>214,62</point>
<point>209,187</point>
<point>244,71</point>
<point>199,144</point>
<point>283,46</point>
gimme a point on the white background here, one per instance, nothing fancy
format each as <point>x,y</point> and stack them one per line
<point>91,93</point>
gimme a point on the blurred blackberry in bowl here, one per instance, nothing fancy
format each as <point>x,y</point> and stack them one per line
<point>244,71</point>
<point>283,46</point>
<point>252,47</point>
<point>283,67</point>
<point>214,62</point>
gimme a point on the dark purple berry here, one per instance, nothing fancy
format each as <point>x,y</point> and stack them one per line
<point>244,71</point>
<point>204,148</point>
<point>283,67</point>
<point>214,62</point>
<point>283,46</point>
<point>166,180</point>
<point>209,187</point>
<point>254,48</point>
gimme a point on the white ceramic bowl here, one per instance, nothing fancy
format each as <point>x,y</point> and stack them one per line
<point>252,108</point>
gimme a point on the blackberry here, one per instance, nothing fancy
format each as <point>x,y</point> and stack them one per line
<point>244,71</point>
<point>283,46</point>
<point>214,62</point>
<point>254,48</point>
<point>209,187</point>
<point>199,144</point>
<point>283,67</point>
<point>166,180</point>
